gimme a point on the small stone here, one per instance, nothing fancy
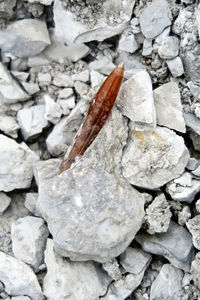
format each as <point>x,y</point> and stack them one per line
<point>155,18</point>
<point>31,203</point>
<point>20,298</point>
<point>43,2</point>
<point>169,48</point>
<point>32,120</point>
<point>128,44</point>
<point>175,66</point>
<point>158,215</point>
<point>175,245</point>
<point>137,103</point>
<point>16,165</point>
<point>193,226</point>
<point>68,103</point>
<point>44,79</point>
<point>196,172</point>
<point>168,106</point>
<point>65,93</point>
<point>184,215</point>
<point>82,76</point>
<point>147,47</point>
<point>112,268</point>
<point>53,111</point>
<point>96,78</point>
<point>21,76</point>
<point>9,126</point>
<point>18,278</point>
<point>195,270</point>
<point>29,235</point>
<point>37,60</point>
<point>4,202</point>
<point>31,88</point>
<point>194,89</point>
<point>192,164</point>
<point>168,284</point>
<point>102,65</point>
<point>62,80</point>
<point>162,36</point>
<point>81,88</point>
<point>192,122</point>
<point>7,8</point>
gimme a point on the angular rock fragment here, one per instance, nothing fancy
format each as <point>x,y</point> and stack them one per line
<point>192,122</point>
<point>4,202</point>
<point>16,165</point>
<point>193,226</point>
<point>20,298</point>
<point>72,280</point>
<point>44,2</point>
<point>83,198</point>
<point>113,269</point>
<point>147,47</point>
<point>175,245</point>
<point>194,89</point>
<point>195,270</point>
<point>158,215</point>
<point>162,36</point>
<point>53,111</point>
<point>103,65</point>
<point>30,203</point>
<point>32,120</point>
<point>175,66</point>
<point>154,157</point>
<point>6,8</point>
<point>29,235</point>
<point>82,76</point>
<point>168,284</point>
<point>192,164</point>
<point>9,126</point>
<point>154,18</point>
<point>81,88</point>
<point>137,103</point>
<point>62,80</point>
<point>184,215</point>
<point>168,106</point>
<point>18,278</point>
<point>96,78</point>
<point>169,48</point>
<point>128,44</point>
<point>30,87</point>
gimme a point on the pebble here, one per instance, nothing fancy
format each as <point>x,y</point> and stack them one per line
<point>162,36</point>
<point>147,47</point>
<point>128,44</point>
<point>53,111</point>
<point>195,270</point>
<point>4,202</point>
<point>62,80</point>
<point>31,88</point>
<point>31,203</point>
<point>9,126</point>
<point>67,104</point>
<point>44,79</point>
<point>198,205</point>
<point>102,65</point>
<point>82,76</point>
<point>192,164</point>
<point>184,215</point>
<point>81,88</point>
<point>169,48</point>
<point>194,89</point>
<point>65,93</point>
<point>193,226</point>
<point>175,66</point>
<point>96,78</point>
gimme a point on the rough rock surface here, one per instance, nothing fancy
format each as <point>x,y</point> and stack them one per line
<point>169,48</point>
<point>195,270</point>
<point>154,157</point>
<point>193,226</point>
<point>175,66</point>
<point>4,202</point>
<point>9,126</point>
<point>16,165</point>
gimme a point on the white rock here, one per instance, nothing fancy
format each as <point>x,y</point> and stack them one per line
<point>44,78</point>
<point>66,279</point>
<point>62,80</point>
<point>81,88</point>
<point>194,89</point>
<point>162,36</point>
<point>193,226</point>
<point>154,157</point>
<point>20,298</point>
<point>30,87</point>
<point>18,278</point>
<point>147,47</point>
<point>102,65</point>
<point>192,122</point>
<point>192,164</point>
<point>168,284</point>
<point>184,215</point>
<point>53,111</point>
<point>96,78</point>
<point>32,120</point>
<point>137,103</point>
<point>16,165</point>
<point>31,203</point>
<point>22,76</point>
<point>9,126</point>
<point>113,269</point>
<point>195,270</point>
<point>68,103</point>
<point>154,18</point>
<point>82,76</point>
<point>29,235</point>
<point>175,66</point>
<point>4,202</point>
<point>44,2</point>
<point>169,48</point>
<point>25,38</point>
<point>196,172</point>
<point>168,106</point>
<point>158,215</point>
<point>183,188</point>
<point>65,93</point>
<point>128,44</point>
<point>10,90</point>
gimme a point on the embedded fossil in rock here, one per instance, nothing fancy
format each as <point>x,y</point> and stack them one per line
<point>96,116</point>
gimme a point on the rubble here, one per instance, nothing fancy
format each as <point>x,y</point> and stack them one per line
<point>128,44</point>
<point>53,111</point>
<point>175,66</point>
<point>9,126</point>
<point>4,202</point>
<point>195,270</point>
<point>169,48</point>
<point>193,227</point>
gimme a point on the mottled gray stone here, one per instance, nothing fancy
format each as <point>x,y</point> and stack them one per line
<point>4,202</point>
<point>6,8</point>
<point>154,157</point>
<point>158,215</point>
<point>193,226</point>
<point>65,93</point>
<point>66,279</point>
<point>113,269</point>
<point>137,103</point>
<point>20,298</point>
<point>66,104</point>
<point>128,43</point>
<point>9,126</point>
<point>175,66</point>
<point>192,164</point>
<point>195,270</point>
<point>18,278</point>
<point>175,245</point>
<point>154,18</point>
<point>29,235</point>
<point>44,79</point>
<point>169,48</point>
<point>168,284</point>
<point>194,89</point>
<point>83,198</point>
<point>30,203</point>
<point>198,205</point>
<point>16,165</point>
<point>53,111</point>
<point>184,215</point>
<point>196,172</point>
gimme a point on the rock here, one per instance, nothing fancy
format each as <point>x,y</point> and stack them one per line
<point>18,40</point>
<point>168,284</point>
<point>29,235</point>
<point>175,66</point>
<point>81,88</point>
<point>6,8</point>
<point>154,157</point>
<point>113,269</point>
<point>192,164</point>
<point>193,226</point>
<point>21,76</point>
<point>82,76</point>
<point>96,78</point>
<point>20,298</point>
<point>32,120</point>
<point>158,215</point>
<point>65,93</point>
<point>64,131</point>
<point>168,106</point>
<point>192,122</point>
<point>194,89</point>
<point>103,65</point>
<point>169,48</point>
<point>111,20</point>
<point>31,88</point>
<point>196,172</point>
<point>154,18</point>
<point>198,205</point>
<point>53,111</point>
<point>147,47</point>
<point>195,270</point>
<point>137,103</point>
<point>16,165</point>
<point>74,280</point>
<point>66,104</point>
<point>4,202</point>
<point>183,188</point>
<point>9,126</point>
<point>87,194</point>
<point>128,44</point>
<point>184,215</point>
<point>10,90</point>
<point>131,62</point>
<point>175,245</point>
<point>44,79</point>
<point>162,36</point>
<point>31,203</point>
<point>62,80</point>
<point>43,2</point>
<point>18,278</point>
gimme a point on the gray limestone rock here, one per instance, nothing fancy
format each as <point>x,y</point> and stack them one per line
<point>103,65</point>
<point>4,202</point>
<point>169,48</point>
<point>6,8</point>
<point>29,235</point>
<point>175,66</point>
<point>113,269</point>
<point>20,298</point>
<point>194,89</point>
<point>168,107</point>
<point>147,47</point>
<point>66,279</point>
<point>158,215</point>
<point>9,126</point>
<point>82,76</point>
<point>128,43</point>
<point>168,284</point>
<point>192,164</point>
<point>193,226</point>
<point>16,165</point>
<point>137,103</point>
<point>154,18</point>
<point>53,111</point>
<point>32,120</point>
<point>31,203</point>
<point>65,93</point>
<point>175,245</point>
<point>82,199</point>
<point>195,270</point>
<point>184,215</point>
<point>198,205</point>
<point>154,157</point>
<point>18,278</point>
<point>30,87</point>
<point>162,36</point>
<point>62,80</point>
<point>192,122</point>
<point>81,88</point>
